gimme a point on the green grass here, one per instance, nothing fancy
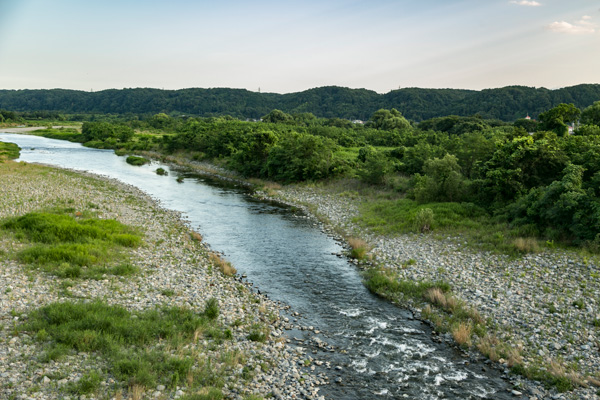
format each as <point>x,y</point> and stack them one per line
<point>560,382</point>
<point>135,160</point>
<point>71,247</point>
<point>70,134</point>
<point>386,284</point>
<point>9,151</point>
<point>136,346</point>
<point>398,216</point>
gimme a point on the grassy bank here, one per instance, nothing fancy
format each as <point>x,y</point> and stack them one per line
<point>9,151</point>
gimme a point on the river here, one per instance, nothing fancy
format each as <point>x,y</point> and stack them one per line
<point>380,350</point>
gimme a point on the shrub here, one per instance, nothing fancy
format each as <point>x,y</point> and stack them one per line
<point>135,160</point>
<point>161,171</point>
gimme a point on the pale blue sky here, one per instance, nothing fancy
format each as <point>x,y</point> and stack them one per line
<point>288,46</point>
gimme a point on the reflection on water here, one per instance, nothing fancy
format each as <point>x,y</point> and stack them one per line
<point>381,350</point>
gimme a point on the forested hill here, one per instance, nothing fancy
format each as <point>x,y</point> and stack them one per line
<point>508,103</point>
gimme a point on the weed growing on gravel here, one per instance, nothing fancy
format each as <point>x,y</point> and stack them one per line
<point>224,266</point>
<point>385,283</point>
<point>136,346</point>
<point>211,309</point>
<point>88,383</point>
<point>461,333</point>
<point>73,247</point>
<point>358,248</point>
<point>258,333</point>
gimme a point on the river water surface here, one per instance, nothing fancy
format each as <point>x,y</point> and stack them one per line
<point>381,351</point>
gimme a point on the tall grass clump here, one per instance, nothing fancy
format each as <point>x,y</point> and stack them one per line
<point>73,247</point>
<point>137,348</point>
<point>224,266</point>
<point>526,245</point>
<point>423,221</point>
<point>358,248</point>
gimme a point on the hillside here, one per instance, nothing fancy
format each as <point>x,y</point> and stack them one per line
<point>508,103</point>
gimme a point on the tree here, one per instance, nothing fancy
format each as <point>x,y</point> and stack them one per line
<point>442,181</point>
<point>374,165</point>
<point>557,118</point>
<point>160,121</point>
<point>277,116</point>
<point>388,120</point>
<point>591,115</point>
<point>528,124</point>
<point>300,157</point>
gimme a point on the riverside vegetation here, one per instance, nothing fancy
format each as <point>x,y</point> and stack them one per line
<point>511,188</point>
<point>105,295</point>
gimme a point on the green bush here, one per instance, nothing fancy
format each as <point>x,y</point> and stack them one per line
<point>135,160</point>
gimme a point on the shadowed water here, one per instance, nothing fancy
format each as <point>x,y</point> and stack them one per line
<point>382,351</point>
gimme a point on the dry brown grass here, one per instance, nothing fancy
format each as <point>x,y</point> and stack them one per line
<point>224,266</point>
<point>526,245</point>
<point>137,392</point>
<point>558,370</point>
<point>196,236</point>
<point>488,346</point>
<point>593,380</point>
<point>462,333</point>
<point>189,378</point>
<point>436,297</point>
<point>513,356</point>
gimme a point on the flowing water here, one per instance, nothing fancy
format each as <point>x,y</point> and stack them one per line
<point>381,350</point>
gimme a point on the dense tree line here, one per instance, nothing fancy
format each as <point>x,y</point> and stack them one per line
<point>541,179</point>
<point>507,104</point>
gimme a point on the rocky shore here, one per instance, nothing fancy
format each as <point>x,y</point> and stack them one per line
<point>546,304</point>
<point>174,270</point>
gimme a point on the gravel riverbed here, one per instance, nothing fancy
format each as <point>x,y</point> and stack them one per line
<point>545,303</point>
<point>174,270</point>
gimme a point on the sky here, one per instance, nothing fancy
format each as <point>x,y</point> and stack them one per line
<point>289,46</point>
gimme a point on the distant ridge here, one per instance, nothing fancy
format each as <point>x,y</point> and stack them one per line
<point>508,103</point>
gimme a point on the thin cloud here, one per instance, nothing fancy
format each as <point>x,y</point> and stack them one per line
<point>582,27</point>
<point>526,3</point>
